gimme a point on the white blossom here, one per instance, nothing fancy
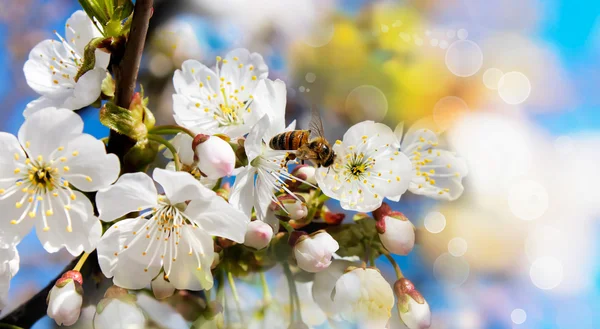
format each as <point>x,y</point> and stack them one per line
<point>314,253</point>
<point>41,176</point>
<point>65,299</point>
<point>215,157</point>
<point>367,168</point>
<point>183,146</point>
<point>118,310</point>
<point>173,232</point>
<point>221,100</point>
<point>268,165</point>
<point>258,234</point>
<point>366,298</point>
<point>398,234</point>
<point>9,266</point>
<point>53,65</point>
<point>436,173</point>
<point>414,309</point>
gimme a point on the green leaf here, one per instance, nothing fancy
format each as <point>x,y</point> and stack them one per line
<point>122,121</point>
<point>89,57</point>
<point>108,86</point>
<point>95,9</point>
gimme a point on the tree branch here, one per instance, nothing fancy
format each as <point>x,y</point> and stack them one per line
<point>125,68</point>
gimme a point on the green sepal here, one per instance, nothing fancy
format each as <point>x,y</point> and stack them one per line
<point>122,11</point>
<point>108,86</point>
<point>142,153</point>
<point>89,57</point>
<point>122,121</point>
<point>96,9</point>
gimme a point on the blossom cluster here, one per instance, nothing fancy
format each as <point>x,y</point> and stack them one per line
<point>182,226</point>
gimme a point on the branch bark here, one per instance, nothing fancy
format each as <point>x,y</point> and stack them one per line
<point>125,67</point>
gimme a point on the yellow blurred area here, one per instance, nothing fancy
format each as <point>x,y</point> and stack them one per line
<point>386,47</point>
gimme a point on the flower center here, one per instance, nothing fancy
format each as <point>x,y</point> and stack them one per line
<point>357,166</point>
<point>43,177</point>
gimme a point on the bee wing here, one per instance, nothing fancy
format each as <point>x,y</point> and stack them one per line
<point>316,124</point>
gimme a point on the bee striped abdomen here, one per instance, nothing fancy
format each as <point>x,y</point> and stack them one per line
<point>290,140</point>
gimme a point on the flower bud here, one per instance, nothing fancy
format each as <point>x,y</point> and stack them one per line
<point>258,234</point>
<point>162,288</point>
<point>118,309</point>
<point>291,209</point>
<point>332,218</point>
<point>313,253</point>
<point>414,310</point>
<point>65,299</point>
<point>215,156</point>
<point>396,232</point>
<point>304,174</point>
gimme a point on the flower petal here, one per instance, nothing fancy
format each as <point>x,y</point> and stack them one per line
<point>40,104</point>
<point>44,59</point>
<point>163,314</point>
<point>90,162</point>
<point>218,218</point>
<point>11,234</point>
<point>79,30</point>
<point>130,193</point>
<point>183,145</point>
<point>120,258</point>
<point>45,131</point>
<point>180,186</point>
<point>9,150</point>
<point>85,227</point>
<point>87,89</point>
<point>191,271</point>
<point>378,134</point>
<point>242,192</point>
<point>254,140</point>
<point>270,99</point>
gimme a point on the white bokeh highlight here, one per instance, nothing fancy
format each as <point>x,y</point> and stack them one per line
<point>514,88</point>
<point>528,199</point>
<point>518,316</point>
<point>491,78</point>
<point>546,272</point>
<point>435,222</point>
<point>457,247</point>
<point>464,58</point>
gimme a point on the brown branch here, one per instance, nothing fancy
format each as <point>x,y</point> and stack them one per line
<point>125,68</point>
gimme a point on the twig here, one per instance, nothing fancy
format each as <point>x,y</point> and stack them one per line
<point>125,68</point>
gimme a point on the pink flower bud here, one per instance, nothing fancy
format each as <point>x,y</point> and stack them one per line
<point>215,156</point>
<point>313,253</point>
<point>65,299</point>
<point>414,310</point>
<point>258,234</point>
<point>398,234</point>
<point>294,208</point>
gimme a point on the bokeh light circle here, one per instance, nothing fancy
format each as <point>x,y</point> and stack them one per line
<point>528,199</point>
<point>451,34</point>
<point>514,88</point>
<point>368,100</point>
<point>451,271</point>
<point>462,34</point>
<point>464,58</point>
<point>443,44</point>
<point>435,222</point>
<point>546,272</point>
<point>518,316</point>
<point>301,89</point>
<point>457,247</point>
<point>310,77</point>
<point>320,34</point>
<point>491,78</point>
<point>447,110</point>
<point>434,42</point>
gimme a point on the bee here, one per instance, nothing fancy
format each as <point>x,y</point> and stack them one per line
<point>317,149</point>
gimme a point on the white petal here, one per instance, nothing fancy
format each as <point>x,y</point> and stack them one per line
<point>183,145</point>
<point>44,59</point>
<point>91,161</point>
<point>162,288</point>
<point>398,131</point>
<point>40,104</point>
<point>49,129</point>
<point>218,218</point>
<point>128,265</point>
<point>242,76</point>
<point>396,173</point>
<point>131,192</point>
<point>270,99</point>
<point>87,89</point>
<point>180,186</point>
<point>79,30</point>
<point>86,228</point>
<point>11,234</point>
<point>254,141</point>
<point>378,134</point>
<point>163,314</point>
<point>242,192</point>
<point>263,194</point>
<point>348,288</point>
<point>120,315</point>
<point>9,149</point>
<point>191,271</point>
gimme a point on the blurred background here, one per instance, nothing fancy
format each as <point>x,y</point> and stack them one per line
<point>511,85</point>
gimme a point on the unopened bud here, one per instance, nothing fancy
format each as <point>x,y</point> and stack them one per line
<point>414,310</point>
<point>215,156</point>
<point>65,299</point>
<point>314,253</point>
<point>118,309</point>
<point>258,234</point>
<point>304,178</point>
<point>162,288</point>
<point>290,208</point>
<point>396,232</point>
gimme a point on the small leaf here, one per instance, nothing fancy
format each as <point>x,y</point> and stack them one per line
<point>89,57</point>
<point>108,86</point>
<point>118,119</point>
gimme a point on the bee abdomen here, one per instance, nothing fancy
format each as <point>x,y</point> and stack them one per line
<point>290,140</point>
